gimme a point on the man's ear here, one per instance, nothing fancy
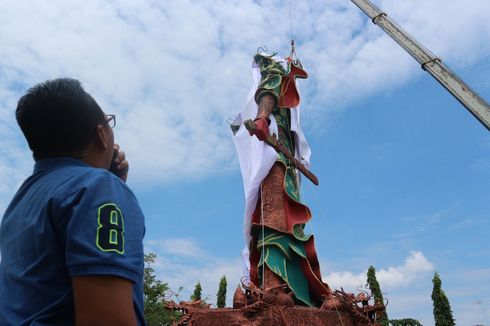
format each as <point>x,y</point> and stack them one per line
<point>101,137</point>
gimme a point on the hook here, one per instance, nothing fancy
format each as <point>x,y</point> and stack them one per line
<point>261,49</point>
<point>293,57</point>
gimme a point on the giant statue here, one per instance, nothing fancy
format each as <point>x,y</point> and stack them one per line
<point>282,280</point>
<point>278,250</point>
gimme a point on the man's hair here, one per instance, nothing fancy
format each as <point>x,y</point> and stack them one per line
<point>58,118</point>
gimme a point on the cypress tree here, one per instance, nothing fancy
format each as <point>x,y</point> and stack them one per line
<point>443,315</point>
<point>381,317</point>
<point>221,296</point>
<point>197,292</point>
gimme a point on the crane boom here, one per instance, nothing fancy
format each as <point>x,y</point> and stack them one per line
<point>430,63</point>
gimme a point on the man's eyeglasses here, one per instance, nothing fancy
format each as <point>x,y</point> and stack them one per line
<point>110,120</point>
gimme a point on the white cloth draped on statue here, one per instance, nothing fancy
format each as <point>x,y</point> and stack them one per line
<point>256,158</point>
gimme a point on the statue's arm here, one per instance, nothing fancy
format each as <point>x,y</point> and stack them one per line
<point>266,105</point>
<point>262,121</point>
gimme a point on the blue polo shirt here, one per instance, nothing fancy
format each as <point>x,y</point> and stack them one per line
<point>67,219</point>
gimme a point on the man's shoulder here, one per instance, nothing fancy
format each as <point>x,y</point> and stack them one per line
<point>90,175</point>
<point>84,174</point>
<point>70,178</point>
<point>100,181</point>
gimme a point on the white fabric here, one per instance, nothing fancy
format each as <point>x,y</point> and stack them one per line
<point>246,266</point>
<point>256,158</point>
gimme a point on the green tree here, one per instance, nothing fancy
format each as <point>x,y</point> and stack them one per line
<point>197,292</point>
<point>381,317</point>
<point>405,322</point>
<point>221,296</point>
<point>443,315</point>
<point>154,297</point>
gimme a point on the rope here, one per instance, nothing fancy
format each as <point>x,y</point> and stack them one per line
<point>262,254</point>
<point>323,219</point>
<point>297,180</point>
<point>340,317</point>
<point>323,216</point>
<point>303,195</point>
<point>292,55</point>
<point>310,223</point>
<point>290,21</point>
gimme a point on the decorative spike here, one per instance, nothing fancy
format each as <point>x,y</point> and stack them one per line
<point>239,299</point>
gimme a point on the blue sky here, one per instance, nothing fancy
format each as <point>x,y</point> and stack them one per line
<point>404,169</point>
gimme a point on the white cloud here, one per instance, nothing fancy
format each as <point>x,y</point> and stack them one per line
<point>415,266</point>
<point>175,72</point>
<point>15,166</point>
<point>346,280</point>
<point>180,247</point>
<point>179,269</point>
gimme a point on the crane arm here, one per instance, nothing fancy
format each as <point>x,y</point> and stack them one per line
<point>430,63</point>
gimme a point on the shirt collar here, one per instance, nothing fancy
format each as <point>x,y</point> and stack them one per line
<point>50,163</point>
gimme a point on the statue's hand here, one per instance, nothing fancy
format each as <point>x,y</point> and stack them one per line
<point>261,129</point>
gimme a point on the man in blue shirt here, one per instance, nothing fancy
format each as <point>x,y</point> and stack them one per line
<point>71,239</point>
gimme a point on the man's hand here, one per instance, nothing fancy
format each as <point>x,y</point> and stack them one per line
<point>261,129</point>
<point>103,300</point>
<point>119,164</point>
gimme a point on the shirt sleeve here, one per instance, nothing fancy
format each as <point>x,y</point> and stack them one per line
<point>103,230</point>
